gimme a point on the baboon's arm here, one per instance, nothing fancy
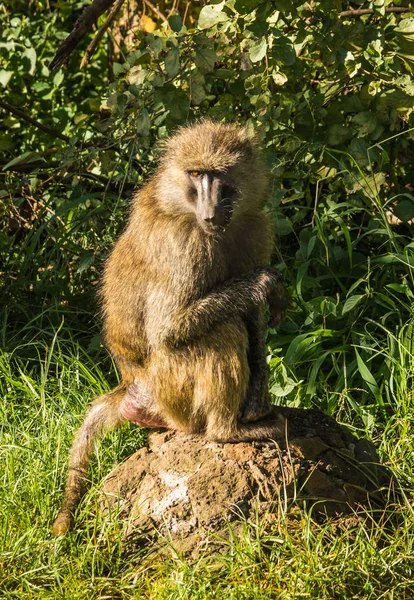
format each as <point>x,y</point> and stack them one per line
<point>257,402</point>
<point>235,297</point>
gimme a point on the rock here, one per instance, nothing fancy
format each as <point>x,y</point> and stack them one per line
<point>186,486</point>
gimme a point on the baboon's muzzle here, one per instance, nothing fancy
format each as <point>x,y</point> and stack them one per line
<point>214,202</point>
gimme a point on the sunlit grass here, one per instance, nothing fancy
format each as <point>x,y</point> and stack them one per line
<point>291,556</point>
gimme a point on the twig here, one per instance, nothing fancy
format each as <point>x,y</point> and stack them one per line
<point>369,11</point>
<point>85,22</point>
<point>90,50</point>
<point>174,9</point>
<point>156,11</point>
<point>19,113</point>
<point>186,11</point>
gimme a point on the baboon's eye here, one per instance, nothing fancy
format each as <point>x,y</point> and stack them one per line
<point>195,173</point>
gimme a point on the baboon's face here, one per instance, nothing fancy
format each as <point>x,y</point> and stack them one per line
<point>212,196</point>
<point>211,172</point>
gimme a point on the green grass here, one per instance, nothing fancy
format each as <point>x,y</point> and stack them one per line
<point>45,387</point>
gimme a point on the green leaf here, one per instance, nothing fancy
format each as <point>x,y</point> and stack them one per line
<point>283,390</point>
<point>197,89</point>
<point>224,73</point>
<point>137,57</point>
<point>359,150</point>
<point>118,69</point>
<point>379,7</point>
<point>279,78</point>
<point>311,384</point>
<point>29,60</point>
<point>366,122</point>
<point>284,226</point>
<point>23,159</point>
<point>367,375</point>
<point>172,61</point>
<point>85,261</point>
<point>205,59</point>
<point>399,287</point>
<point>175,23</point>
<point>351,302</point>
<point>300,346</point>
<point>258,50</point>
<point>406,83</point>
<point>395,99</point>
<point>180,105</point>
<point>143,124</point>
<point>406,28</point>
<point>58,78</point>
<point>211,14</point>
<point>351,65</point>
<point>392,258</point>
<point>80,117</point>
<point>373,52</point>
<point>404,210</point>
<point>283,51</point>
<point>5,77</point>
<point>155,43</point>
<point>6,143</point>
<point>246,6</point>
<point>336,135</point>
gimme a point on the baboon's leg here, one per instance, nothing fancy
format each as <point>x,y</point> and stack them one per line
<point>222,381</point>
<point>201,387</point>
<point>103,415</point>
<point>169,375</point>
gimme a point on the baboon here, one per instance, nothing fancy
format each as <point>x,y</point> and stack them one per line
<point>184,293</point>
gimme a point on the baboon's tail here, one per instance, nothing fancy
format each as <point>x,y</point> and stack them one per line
<point>103,415</point>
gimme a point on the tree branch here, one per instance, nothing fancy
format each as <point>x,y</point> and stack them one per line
<point>90,50</point>
<point>369,11</point>
<point>156,11</point>
<point>19,113</point>
<point>85,22</point>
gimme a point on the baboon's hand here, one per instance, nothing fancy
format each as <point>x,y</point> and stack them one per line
<point>266,281</point>
<point>271,290</point>
<point>278,303</point>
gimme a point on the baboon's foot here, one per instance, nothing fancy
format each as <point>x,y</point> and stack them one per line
<point>257,405</point>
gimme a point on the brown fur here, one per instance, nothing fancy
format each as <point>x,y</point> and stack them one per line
<point>184,310</point>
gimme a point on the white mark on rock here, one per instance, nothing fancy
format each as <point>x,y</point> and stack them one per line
<point>177,482</point>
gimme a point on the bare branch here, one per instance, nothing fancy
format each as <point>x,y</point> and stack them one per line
<point>85,22</point>
<point>187,6</point>
<point>156,11</point>
<point>90,50</point>
<point>369,11</point>
<point>22,115</point>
